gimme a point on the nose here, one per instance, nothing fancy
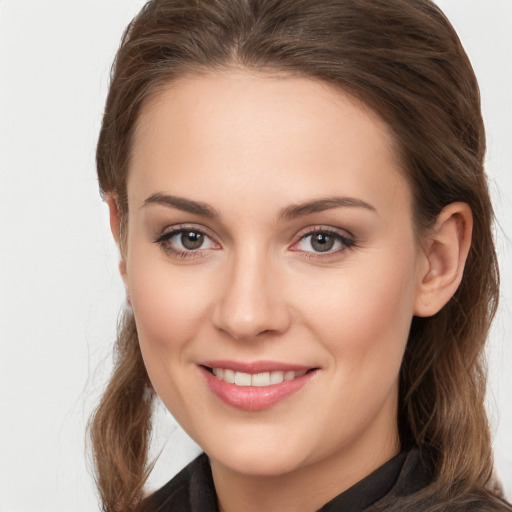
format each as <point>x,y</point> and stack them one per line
<point>251,301</point>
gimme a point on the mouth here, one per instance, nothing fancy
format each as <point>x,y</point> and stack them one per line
<point>255,386</point>
<point>270,378</point>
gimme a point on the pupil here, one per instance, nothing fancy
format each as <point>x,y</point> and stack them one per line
<point>322,242</point>
<point>192,240</point>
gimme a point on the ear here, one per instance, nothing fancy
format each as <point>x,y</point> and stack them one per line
<point>447,248</point>
<point>115,227</point>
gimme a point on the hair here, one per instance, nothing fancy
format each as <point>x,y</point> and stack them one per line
<point>404,60</point>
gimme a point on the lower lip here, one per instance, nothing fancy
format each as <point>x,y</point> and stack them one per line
<point>254,398</point>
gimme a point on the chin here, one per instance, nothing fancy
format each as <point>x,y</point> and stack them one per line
<point>256,459</point>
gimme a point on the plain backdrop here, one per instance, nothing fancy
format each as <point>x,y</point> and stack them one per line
<point>60,293</point>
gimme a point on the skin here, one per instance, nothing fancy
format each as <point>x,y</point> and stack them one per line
<point>250,145</point>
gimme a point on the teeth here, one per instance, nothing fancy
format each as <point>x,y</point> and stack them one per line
<point>289,375</point>
<point>255,379</point>
<point>242,379</point>
<point>229,376</point>
<point>261,379</point>
<point>276,377</point>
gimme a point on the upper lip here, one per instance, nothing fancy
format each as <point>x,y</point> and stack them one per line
<point>255,366</point>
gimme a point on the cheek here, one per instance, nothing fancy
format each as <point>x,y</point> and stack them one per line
<point>168,314</point>
<point>364,314</point>
<point>381,310</point>
<point>168,305</point>
<point>363,323</point>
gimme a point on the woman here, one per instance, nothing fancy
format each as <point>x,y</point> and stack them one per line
<point>298,194</point>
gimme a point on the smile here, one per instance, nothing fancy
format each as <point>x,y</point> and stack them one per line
<point>255,386</point>
<point>256,379</point>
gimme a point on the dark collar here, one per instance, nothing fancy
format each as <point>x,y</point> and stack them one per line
<point>192,489</point>
<point>402,475</point>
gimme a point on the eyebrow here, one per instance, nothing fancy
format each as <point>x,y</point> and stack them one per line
<point>288,213</point>
<point>319,205</point>
<point>181,203</point>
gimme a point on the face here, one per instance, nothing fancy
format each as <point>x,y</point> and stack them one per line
<point>272,269</point>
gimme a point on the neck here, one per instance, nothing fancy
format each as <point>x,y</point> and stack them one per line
<point>307,488</point>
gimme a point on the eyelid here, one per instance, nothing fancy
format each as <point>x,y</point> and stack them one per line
<point>341,235</point>
<point>177,228</point>
<point>344,236</point>
<point>323,229</point>
<point>163,240</point>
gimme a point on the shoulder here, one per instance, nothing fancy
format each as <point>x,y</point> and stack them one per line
<point>415,491</point>
<point>427,501</point>
<point>190,490</point>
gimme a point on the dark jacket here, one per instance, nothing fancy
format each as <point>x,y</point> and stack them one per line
<point>192,490</point>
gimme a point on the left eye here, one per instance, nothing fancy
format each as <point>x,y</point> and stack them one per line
<point>323,241</point>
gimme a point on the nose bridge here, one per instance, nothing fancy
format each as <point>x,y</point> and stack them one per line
<point>251,301</point>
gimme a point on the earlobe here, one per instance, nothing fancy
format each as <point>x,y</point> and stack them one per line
<point>447,248</point>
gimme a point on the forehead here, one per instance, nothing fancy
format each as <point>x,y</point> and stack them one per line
<point>260,135</point>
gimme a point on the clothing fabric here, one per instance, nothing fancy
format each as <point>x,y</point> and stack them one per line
<point>192,489</point>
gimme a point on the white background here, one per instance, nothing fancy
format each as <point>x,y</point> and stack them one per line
<point>59,289</point>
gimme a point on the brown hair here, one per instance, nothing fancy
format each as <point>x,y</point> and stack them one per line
<point>404,60</point>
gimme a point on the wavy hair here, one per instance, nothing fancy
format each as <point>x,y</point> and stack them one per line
<point>404,60</point>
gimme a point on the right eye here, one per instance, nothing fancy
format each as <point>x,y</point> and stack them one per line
<point>185,242</point>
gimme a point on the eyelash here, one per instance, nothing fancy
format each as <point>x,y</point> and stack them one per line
<point>347,242</point>
<point>164,241</point>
